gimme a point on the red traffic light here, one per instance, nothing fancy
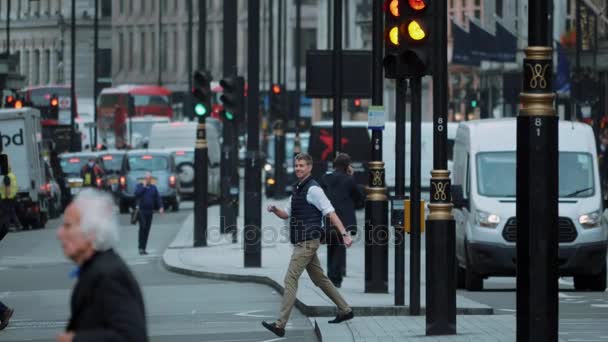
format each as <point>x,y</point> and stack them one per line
<point>358,102</point>
<point>54,102</point>
<point>417,5</point>
<point>276,89</point>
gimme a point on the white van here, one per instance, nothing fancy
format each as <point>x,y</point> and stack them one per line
<point>182,135</point>
<point>484,190</point>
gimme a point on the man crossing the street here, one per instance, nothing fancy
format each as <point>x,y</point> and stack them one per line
<point>308,206</point>
<point>148,199</point>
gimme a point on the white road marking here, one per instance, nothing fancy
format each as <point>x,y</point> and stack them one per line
<point>250,314</point>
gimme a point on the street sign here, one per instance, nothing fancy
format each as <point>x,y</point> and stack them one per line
<point>376,118</point>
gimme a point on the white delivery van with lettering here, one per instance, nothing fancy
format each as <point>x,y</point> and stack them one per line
<point>20,135</point>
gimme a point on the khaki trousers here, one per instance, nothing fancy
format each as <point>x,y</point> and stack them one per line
<point>305,257</point>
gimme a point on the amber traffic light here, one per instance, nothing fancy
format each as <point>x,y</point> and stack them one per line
<point>408,45</point>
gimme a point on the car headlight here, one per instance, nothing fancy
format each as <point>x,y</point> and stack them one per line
<point>267,167</point>
<point>485,219</point>
<point>590,220</point>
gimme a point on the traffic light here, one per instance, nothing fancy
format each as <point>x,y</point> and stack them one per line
<point>355,105</point>
<point>18,104</point>
<point>201,93</point>
<point>233,98</point>
<point>277,102</point>
<point>408,38</point>
<point>9,101</point>
<point>54,106</point>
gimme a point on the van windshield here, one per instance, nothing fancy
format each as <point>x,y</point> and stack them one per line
<point>496,174</point>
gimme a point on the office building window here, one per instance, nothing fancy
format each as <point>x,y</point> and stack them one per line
<point>131,42</point>
<point>106,8</point>
<point>120,51</point>
<point>142,51</point>
<point>152,48</point>
<point>499,8</point>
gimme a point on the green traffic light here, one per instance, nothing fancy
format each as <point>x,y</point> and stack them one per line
<point>474,103</point>
<point>229,116</point>
<point>200,109</point>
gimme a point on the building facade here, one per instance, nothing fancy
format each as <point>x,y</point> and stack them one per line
<point>40,35</point>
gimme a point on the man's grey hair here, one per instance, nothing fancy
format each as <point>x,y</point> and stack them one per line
<point>97,218</point>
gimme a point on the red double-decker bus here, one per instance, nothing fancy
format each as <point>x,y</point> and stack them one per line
<point>113,110</point>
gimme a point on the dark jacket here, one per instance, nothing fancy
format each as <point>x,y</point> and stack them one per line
<point>148,198</point>
<point>107,304</point>
<point>344,194</point>
<point>306,220</point>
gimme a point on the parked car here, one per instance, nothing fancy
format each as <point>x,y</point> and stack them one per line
<point>176,136</point>
<point>162,166</point>
<point>111,163</point>
<point>184,165</point>
<point>484,195</point>
<point>71,165</point>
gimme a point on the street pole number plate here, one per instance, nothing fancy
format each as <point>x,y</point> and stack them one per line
<point>376,118</point>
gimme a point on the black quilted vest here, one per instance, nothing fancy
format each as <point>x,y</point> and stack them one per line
<point>305,222</point>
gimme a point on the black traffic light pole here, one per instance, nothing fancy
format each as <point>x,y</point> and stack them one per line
<point>398,221</point>
<point>537,188</point>
<point>73,80</point>
<point>95,71</point>
<point>376,204</point>
<point>298,51</point>
<point>202,33</point>
<point>229,163</point>
<point>279,144</point>
<point>253,171</point>
<point>202,93</point>
<point>415,155</point>
<point>440,225</point>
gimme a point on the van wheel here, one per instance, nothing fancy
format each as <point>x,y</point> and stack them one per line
<point>472,280</point>
<point>596,282</point>
<point>460,276</point>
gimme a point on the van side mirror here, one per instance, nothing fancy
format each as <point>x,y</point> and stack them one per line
<point>458,197</point>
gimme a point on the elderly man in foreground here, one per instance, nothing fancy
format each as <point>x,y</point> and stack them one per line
<point>107,304</point>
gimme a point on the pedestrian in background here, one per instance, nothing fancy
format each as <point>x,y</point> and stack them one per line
<point>308,206</point>
<point>106,303</point>
<point>5,312</point>
<point>90,173</point>
<point>8,196</point>
<point>148,200</point>
<point>345,196</point>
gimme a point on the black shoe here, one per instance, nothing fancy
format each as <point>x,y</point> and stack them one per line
<point>274,328</point>
<point>8,313</point>
<point>341,318</point>
<point>143,252</point>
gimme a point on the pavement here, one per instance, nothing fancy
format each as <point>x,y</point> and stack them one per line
<point>377,318</point>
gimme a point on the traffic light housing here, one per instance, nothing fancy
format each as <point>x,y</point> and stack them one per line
<point>9,101</point>
<point>233,98</point>
<point>277,102</point>
<point>408,38</point>
<point>54,106</point>
<point>201,93</point>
